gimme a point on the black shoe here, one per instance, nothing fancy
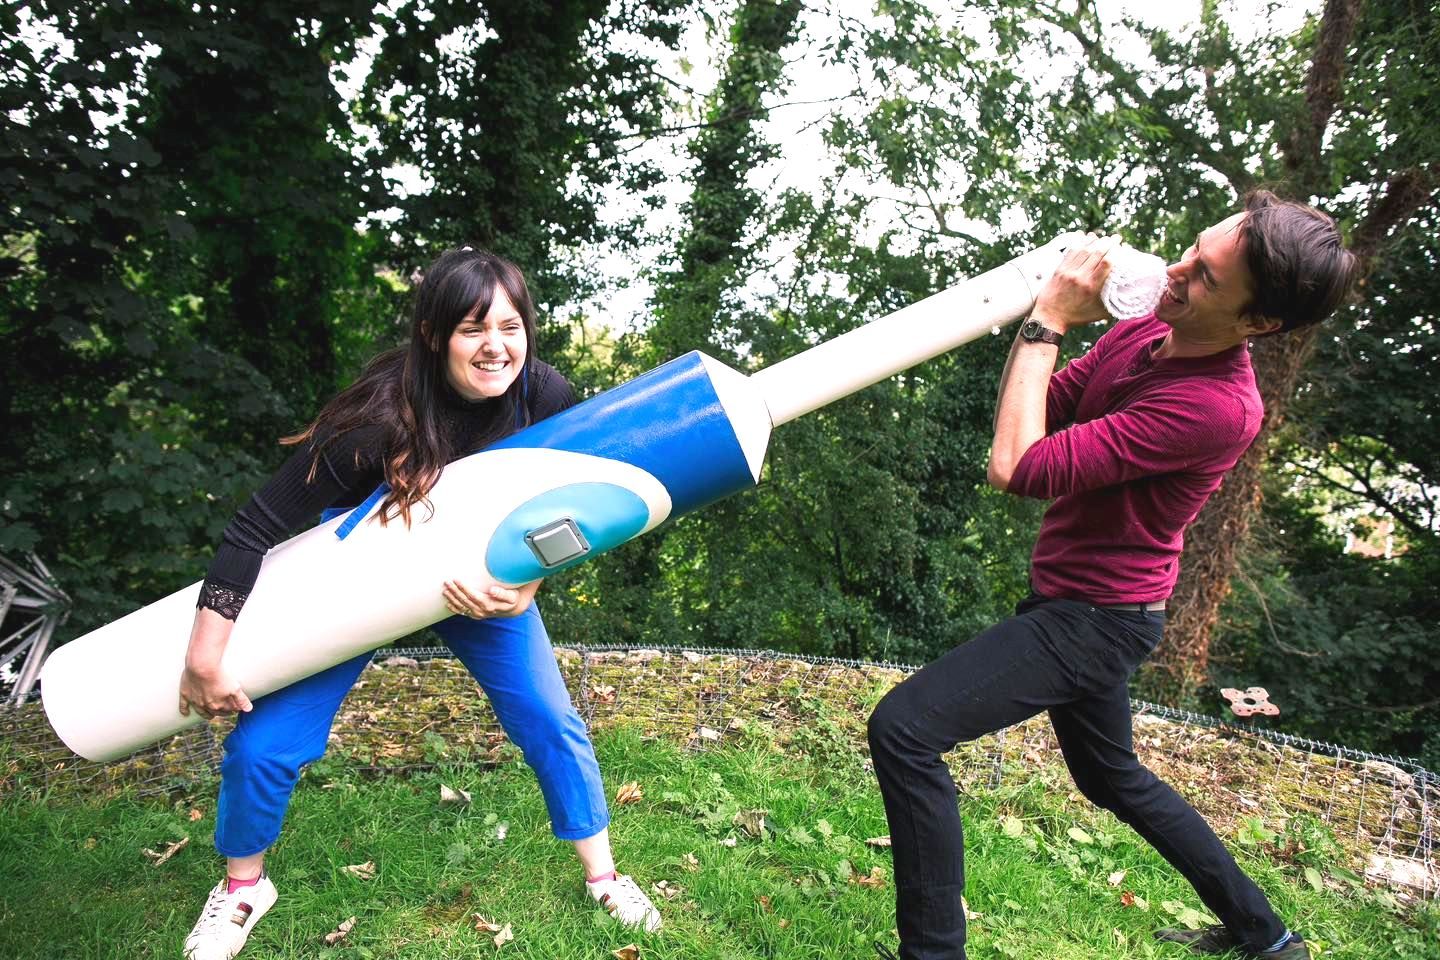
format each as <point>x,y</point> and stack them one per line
<point>884,952</point>
<point>1217,939</point>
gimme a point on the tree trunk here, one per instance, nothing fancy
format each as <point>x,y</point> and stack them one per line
<point>1213,542</point>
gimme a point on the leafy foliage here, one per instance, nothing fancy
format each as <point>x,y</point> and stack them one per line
<point>203,240</point>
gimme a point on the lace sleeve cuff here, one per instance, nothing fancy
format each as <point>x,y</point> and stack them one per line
<point>223,600</point>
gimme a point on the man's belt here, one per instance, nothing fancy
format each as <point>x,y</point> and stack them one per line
<point>1142,607</point>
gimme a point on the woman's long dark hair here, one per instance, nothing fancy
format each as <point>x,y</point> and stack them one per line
<point>401,388</point>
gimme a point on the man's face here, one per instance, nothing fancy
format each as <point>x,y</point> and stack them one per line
<point>1210,288</point>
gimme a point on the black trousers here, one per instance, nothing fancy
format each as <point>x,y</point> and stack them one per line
<point>1074,660</point>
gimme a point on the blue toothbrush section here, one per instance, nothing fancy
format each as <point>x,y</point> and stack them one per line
<point>668,422</point>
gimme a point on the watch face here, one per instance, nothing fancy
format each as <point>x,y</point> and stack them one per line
<point>1036,332</point>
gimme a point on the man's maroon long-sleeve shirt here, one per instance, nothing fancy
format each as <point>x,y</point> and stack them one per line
<point>1135,447</point>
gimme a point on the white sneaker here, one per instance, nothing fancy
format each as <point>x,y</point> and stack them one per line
<point>225,923</point>
<point>626,902</point>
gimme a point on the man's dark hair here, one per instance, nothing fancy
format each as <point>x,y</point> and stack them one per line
<point>1300,267</point>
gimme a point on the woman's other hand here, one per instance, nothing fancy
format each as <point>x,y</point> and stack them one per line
<point>205,686</point>
<point>493,601</point>
<point>211,693</point>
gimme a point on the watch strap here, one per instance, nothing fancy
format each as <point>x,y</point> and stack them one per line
<point>1034,331</point>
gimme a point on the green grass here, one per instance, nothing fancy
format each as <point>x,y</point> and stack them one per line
<point>73,881</point>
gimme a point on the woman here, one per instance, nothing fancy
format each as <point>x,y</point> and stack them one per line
<point>468,377</point>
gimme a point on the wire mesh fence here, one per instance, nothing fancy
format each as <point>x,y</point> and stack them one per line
<point>418,708</point>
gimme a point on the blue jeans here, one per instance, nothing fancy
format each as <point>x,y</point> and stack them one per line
<point>510,658</point>
<point>1074,660</point>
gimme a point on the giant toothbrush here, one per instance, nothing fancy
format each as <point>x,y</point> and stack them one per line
<point>668,442</point>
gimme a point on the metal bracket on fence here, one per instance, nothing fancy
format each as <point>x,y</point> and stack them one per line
<point>31,607</point>
<point>1250,701</point>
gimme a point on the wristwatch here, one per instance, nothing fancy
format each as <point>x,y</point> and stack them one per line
<point>1033,331</point>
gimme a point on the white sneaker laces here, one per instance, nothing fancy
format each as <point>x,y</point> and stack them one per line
<point>628,903</point>
<point>225,914</point>
<point>218,907</point>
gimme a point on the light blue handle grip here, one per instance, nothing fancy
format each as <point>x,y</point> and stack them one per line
<point>606,513</point>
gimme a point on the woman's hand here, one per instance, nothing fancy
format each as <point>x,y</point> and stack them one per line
<point>205,686</point>
<point>211,693</point>
<point>496,601</point>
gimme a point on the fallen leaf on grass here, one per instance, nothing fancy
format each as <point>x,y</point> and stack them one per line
<point>361,871</point>
<point>504,936</point>
<point>765,904</point>
<point>1129,899</point>
<point>667,889</point>
<point>195,814</point>
<point>628,952</point>
<point>339,933</point>
<point>485,925</point>
<point>168,852</point>
<point>969,914</point>
<point>878,841</point>
<point>751,821</point>
<point>629,793</point>
<point>690,862</point>
<point>728,842</point>
<point>91,843</point>
<point>1012,827</point>
<point>875,879</point>
<point>453,798</point>
<point>1188,916</point>
<point>782,923</point>
<point>1117,878</point>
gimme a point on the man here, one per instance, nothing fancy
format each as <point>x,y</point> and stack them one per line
<point>1129,440</point>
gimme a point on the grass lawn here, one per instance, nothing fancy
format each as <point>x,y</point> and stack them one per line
<point>1049,876</point>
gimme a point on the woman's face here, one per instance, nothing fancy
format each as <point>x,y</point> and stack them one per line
<point>486,354</point>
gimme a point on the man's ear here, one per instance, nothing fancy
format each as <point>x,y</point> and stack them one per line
<point>1258,326</point>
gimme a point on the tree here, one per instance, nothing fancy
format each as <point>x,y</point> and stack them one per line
<point>513,112</point>
<point>185,276</point>
<point>1338,114</point>
<point>667,585</point>
<point>1320,138</point>
<point>692,309</point>
<point>1346,642</point>
<point>172,276</point>
<point>861,540</point>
